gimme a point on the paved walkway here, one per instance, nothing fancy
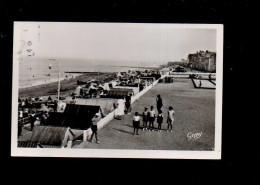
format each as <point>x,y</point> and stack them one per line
<point>204,83</point>
<point>195,113</point>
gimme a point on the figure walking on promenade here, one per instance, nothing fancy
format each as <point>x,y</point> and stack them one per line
<point>94,127</point>
<point>160,120</point>
<point>159,102</point>
<point>151,118</point>
<point>145,118</point>
<point>170,119</point>
<point>136,123</point>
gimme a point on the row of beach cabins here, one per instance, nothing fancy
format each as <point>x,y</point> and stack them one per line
<point>61,123</point>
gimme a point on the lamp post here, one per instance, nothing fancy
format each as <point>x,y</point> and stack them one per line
<point>53,59</point>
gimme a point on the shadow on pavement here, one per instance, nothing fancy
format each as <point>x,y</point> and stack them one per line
<point>123,131</point>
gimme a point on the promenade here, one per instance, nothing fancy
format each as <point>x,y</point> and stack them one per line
<point>194,113</point>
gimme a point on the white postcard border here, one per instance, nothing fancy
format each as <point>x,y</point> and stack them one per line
<point>123,153</point>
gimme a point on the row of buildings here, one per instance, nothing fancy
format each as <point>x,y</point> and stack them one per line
<point>203,61</point>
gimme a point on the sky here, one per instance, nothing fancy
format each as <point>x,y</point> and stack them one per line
<point>135,43</point>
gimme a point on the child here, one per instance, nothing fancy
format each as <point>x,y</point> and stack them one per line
<point>145,118</point>
<point>151,118</point>
<point>170,119</point>
<point>160,120</point>
<point>136,123</point>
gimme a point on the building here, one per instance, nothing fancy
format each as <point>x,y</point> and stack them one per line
<point>203,61</point>
<point>52,137</point>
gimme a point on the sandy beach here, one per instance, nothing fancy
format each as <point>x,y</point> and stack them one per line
<point>67,85</point>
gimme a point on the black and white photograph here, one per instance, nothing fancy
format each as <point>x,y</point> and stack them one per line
<point>117,90</point>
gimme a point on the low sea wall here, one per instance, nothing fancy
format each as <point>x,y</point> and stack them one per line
<point>137,96</point>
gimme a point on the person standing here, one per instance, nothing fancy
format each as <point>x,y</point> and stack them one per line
<point>44,119</point>
<point>20,114</point>
<point>160,120</point>
<point>20,126</point>
<point>200,84</point>
<point>159,102</point>
<point>170,119</point>
<point>136,123</point>
<point>94,127</point>
<point>145,118</point>
<point>33,119</point>
<point>151,118</point>
<point>26,113</point>
<point>128,104</point>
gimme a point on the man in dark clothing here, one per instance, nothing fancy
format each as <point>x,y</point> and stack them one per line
<point>94,127</point>
<point>159,102</point>
<point>200,84</point>
<point>128,104</point>
<point>20,125</point>
<point>33,118</point>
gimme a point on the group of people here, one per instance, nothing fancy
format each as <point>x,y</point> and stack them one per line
<point>149,117</point>
<point>32,117</point>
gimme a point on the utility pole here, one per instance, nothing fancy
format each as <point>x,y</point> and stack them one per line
<point>53,59</point>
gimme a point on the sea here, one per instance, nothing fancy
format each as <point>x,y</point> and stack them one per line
<point>36,71</point>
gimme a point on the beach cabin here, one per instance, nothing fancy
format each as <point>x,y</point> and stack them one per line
<point>135,89</point>
<point>74,116</point>
<point>148,78</point>
<point>52,137</point>
<point>120,93</point>
<point>107,105</point>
